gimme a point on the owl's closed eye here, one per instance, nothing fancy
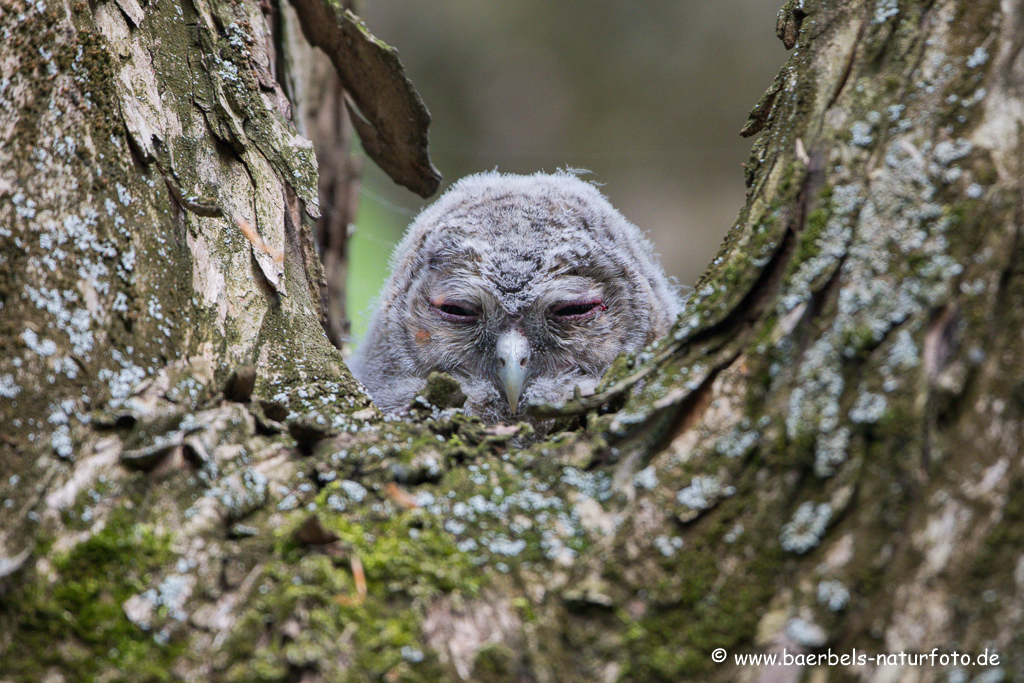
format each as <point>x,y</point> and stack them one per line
<point>520,287</point>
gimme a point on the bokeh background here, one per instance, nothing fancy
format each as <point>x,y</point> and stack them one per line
<point>647,95</point>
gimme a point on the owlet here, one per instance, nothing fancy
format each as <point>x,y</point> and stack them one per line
<point>521,288</point>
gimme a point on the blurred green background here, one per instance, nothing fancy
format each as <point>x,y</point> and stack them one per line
<point>648,96</point>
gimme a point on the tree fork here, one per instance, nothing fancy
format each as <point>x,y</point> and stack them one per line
<point>823,455</point>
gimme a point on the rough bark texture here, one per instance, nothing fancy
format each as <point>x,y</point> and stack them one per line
<point>311,82</point>
<point>823,455</point>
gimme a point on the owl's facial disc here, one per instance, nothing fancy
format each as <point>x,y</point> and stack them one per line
<point>513,353</point>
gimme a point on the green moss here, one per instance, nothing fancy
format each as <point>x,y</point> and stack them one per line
<point>77,622</point>
<point>496,663</point>
<point>813,227</point>
<point>697,605</point>
<point>674,642</point>
<point>319,592</point>
<point>411,555</point>
<point>443,391</point>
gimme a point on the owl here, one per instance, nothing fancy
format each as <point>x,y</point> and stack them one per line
<point>521,287</point>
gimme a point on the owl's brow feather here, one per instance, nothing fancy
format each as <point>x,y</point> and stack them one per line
<point>571,288</point>
<point>457,283</point>
<point>445,259</point>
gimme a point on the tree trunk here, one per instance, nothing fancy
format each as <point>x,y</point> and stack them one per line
<point>822,459</point>
<point>312,83</point>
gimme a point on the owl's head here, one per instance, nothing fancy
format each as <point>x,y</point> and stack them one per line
<point>520,287</point>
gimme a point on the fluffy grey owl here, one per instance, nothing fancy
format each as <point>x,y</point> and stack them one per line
<point>521,288</point>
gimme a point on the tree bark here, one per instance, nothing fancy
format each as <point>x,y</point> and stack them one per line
<point>823,457</point>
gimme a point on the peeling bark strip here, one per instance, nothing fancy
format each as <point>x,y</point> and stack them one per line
<point>390,116</point>
<point>824,455</point>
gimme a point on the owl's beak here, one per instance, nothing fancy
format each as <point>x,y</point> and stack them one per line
<point>513,351</point>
